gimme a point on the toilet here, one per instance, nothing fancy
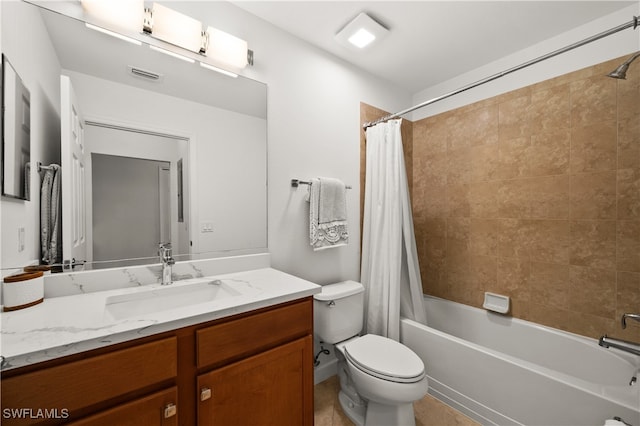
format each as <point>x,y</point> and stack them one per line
<point>379,377</point>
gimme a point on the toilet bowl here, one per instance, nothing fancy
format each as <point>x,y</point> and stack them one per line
<point>379,377</point>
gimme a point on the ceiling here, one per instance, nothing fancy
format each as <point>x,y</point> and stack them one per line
<point>431,41</point>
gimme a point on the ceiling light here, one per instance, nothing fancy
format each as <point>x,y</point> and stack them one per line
<point>361,32</point>
<point>170,53</point>
<point>361,38</point>
<point>220,70</point>
<point>227,48</point>
<point>114,34</point>
<point>175,28</point>
<point>117,14</point>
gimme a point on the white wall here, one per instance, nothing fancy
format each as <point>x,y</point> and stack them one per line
<point>622,43</point>
<point>313,115</point>
<point>34,59</point>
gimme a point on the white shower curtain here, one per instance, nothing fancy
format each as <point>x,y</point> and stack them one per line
<point>390,270</point>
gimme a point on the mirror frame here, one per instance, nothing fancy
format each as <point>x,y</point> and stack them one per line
<point>20,190</point>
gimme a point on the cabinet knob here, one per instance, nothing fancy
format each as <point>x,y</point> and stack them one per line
<point>170,410</point>
<point>205,393</point>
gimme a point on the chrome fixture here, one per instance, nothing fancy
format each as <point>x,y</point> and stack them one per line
<point>164,251</point>
<point>623,345</point>
<point>621,71</point>
<point>632,316</point>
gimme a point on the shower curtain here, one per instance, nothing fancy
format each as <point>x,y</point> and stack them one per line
<point>390,270</point>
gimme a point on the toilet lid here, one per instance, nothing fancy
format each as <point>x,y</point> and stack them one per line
<point>385,358</point>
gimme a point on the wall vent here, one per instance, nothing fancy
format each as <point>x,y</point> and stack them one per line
<point>145,74</point>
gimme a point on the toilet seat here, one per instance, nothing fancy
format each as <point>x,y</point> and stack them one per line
<point>384,358</point>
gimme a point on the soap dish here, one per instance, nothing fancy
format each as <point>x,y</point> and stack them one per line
<point>496,302</point>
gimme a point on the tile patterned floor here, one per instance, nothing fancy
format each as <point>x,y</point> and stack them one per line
<point>429,411</point>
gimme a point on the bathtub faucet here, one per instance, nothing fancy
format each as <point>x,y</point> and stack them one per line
<point>632,316</point>
<point>623,345</point>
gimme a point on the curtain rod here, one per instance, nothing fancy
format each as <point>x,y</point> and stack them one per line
<point>633,23</point>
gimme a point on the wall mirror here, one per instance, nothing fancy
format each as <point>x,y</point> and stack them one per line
<point>204,132</point>
<point>16,134</point>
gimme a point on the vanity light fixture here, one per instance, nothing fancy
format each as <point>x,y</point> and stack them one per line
<point>220,70</point>
<point>170,53</point>
<point>173,27</point>
<point>227,48</point>
<point>361,32</point>
<point>114,34</point>
<point>117,14</point>
<point>169,26</point>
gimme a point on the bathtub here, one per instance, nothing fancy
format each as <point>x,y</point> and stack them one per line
<point>504,371</point>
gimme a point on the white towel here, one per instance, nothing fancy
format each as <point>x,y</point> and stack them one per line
<point>327,213</point>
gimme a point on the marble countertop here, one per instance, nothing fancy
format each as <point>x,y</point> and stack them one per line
<point>62,326</point>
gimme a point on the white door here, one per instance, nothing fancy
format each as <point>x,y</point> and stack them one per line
<point>74,241</point>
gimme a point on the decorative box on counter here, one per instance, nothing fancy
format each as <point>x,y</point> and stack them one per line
<point>22,290</point>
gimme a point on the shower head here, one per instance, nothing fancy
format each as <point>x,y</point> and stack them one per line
<point>621,71</point>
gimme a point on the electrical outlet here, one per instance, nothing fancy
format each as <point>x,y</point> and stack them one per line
<point>206,227</point>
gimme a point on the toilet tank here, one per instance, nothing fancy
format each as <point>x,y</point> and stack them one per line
<point>338,311</point>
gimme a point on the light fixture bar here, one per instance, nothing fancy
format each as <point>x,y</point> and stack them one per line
<point>220,70</point>
<point>170,53</point>
<point>114,34</point>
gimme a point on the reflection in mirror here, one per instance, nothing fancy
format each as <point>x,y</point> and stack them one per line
<point>208,128</point>
<point>16,134</point>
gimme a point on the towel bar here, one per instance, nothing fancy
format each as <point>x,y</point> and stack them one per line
<point>296,182</point>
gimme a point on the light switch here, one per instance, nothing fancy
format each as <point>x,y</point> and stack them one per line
<point>21,238</point>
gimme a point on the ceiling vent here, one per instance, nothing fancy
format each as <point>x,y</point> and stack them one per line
<point>145,74</point>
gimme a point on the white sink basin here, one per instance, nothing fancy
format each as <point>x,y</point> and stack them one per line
<point>169,297</point>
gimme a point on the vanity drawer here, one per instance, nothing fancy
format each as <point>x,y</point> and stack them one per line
<point>245,336</point>
<point>80,384</point>
<point>158,409</point>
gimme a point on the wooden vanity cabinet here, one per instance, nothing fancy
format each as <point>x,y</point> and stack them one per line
<point>271,381</point>
<point>251,369</point>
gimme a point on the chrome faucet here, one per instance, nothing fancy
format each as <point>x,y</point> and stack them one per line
<point>623,345</point>
<point>632,316</point>
<point>164,251</point>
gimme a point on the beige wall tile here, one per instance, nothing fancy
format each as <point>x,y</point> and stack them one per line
<point>629,194</point>
<point>549,197</point>
<point>547,154</point>
<point>549,110</point>
<point>628,245</point>
<point>592,291</point>
<point>593,99</point>
<point>593,195</point>
<point>594,147</point>
<point>549,285</point>
<point>629,141</point>
<point>550,240</point>
<point>514,198</point>
<point>483,199</point>
<point>593,244</point>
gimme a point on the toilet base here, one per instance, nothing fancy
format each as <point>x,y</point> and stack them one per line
<point>374,414</point>
<point>354,410</point>
<point>383,415</point>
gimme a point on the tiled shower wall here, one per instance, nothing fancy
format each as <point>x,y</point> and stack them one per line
<point>535,194</point>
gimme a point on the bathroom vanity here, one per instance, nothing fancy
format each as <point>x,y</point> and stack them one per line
<point>245,358</point>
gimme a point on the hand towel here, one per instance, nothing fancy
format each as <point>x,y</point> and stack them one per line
<point>327,213</point>
<point>50,216</point>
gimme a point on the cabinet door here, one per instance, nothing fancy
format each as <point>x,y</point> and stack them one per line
<point>158,409</point>
<point>271,388</point>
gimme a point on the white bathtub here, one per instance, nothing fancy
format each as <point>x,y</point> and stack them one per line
<point>504,371</point>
